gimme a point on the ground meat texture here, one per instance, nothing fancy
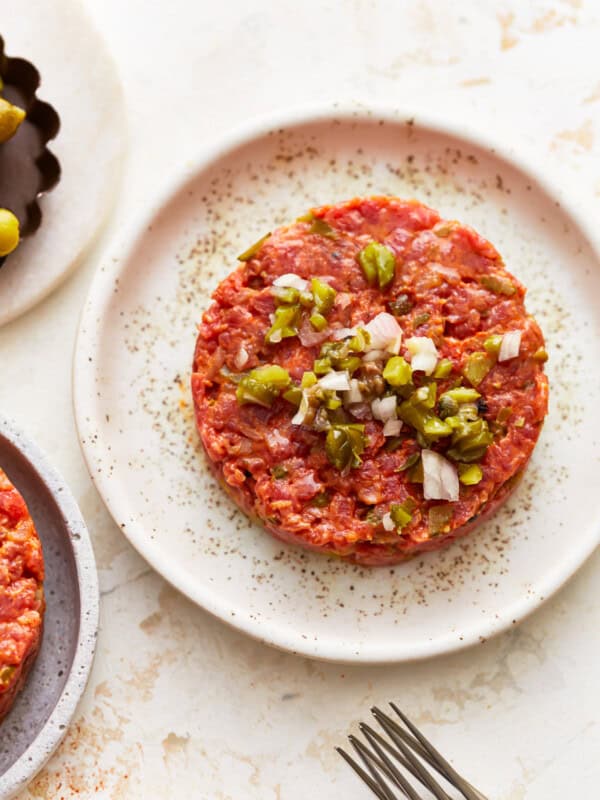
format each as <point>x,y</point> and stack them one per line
<point>445,287</point>
<point>21,593</point>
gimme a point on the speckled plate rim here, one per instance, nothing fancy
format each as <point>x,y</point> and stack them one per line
<point>50,736</point>
<point>84,391</point>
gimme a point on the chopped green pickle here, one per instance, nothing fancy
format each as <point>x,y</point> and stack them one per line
<point>318,322</point>
<point>360,341</point>
<point>443,369</point>
<point>320,500</point>
<point>397,371</point>
<point>308,379</point>
<point>306,299</point>
<point>253,249</point>
<point>413,459</point>
<point>351,364</point>
<point>308,217</point>
<point>439,518</point>
<point>492,344</point>
<point>332,401</point>
<point>392,443</point>
<point>322,228</point>
<point>470,439</point>
<point>423,421</point>
<point>541,355</point>
<point>469,474</point>
<point>497,284</point>
<point>322,366</point>
<point>286,294</point>
<point>434,428</point>
<point>478,366</point>
<point>279,472</point>
<point>378,264</point>
<point>284,325</point>
<point>415,474</point>
<point>401,305</point>
<point>293,395</point>
<point>462,394</point>
<point>262,385</point>
<point>401,513</point>
<point>324,295</point>
<point>520,422</point>
<point>344,445</point>
<point>425,396</point>
<point>421,319</point>
<point>504,414</point>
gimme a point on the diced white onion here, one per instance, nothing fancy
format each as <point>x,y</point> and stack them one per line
<point>335,381</point>
<point>321,421</point>
<point>309,337</point>
<point>241,358</point>
<point>342,333</point>
<point>384,332</point>
<point>292,281</point>
<point>440,477</point>
<point>388,522</point>
<point>300,415</point>
<point>374,355</point>
<point>424,354</point>
<point>361,411</point>
<point>392,427</point>
<point>354,394</point>
<point>394,347</point>
<point>510,346</point>
<point>384,408</point>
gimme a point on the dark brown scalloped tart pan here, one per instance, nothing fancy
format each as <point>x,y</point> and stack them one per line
<point>27,167</point>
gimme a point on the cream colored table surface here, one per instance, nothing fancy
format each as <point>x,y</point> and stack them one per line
<point>180,706</point>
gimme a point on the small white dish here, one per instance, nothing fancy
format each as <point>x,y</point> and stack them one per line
<point>135,418</point>
<point>79,79</point>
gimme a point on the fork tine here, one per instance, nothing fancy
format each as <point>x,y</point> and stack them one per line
<point>367,757</point>
<point>370,732</point>
<point>385,720</point>
<point>389,725</point>
<point>373,737</point>
<point>418,770</point>
<point>441,764</point>
<point>405,757</point>
<point>362,774</point>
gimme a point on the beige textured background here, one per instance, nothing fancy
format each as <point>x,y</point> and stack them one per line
<point>178,704</point>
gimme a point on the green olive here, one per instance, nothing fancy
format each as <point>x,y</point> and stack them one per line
<point>9,231</point>
<point>10,119</point>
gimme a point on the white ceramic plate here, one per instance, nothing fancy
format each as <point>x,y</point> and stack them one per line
<point>79,79</point>
<point>135,418</point>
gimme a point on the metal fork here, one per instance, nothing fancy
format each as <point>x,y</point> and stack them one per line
<point>409,748</point>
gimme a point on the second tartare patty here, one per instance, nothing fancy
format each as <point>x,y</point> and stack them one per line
<point>22,602</point>
<point>368,382</point>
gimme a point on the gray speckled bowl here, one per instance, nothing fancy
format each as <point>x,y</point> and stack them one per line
<point>40,716</point>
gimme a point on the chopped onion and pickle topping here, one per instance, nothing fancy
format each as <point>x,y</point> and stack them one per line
<point>369,373</point>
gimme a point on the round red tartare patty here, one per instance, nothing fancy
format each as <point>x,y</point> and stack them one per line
<point>449,285</point>
<point>21,593</point>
